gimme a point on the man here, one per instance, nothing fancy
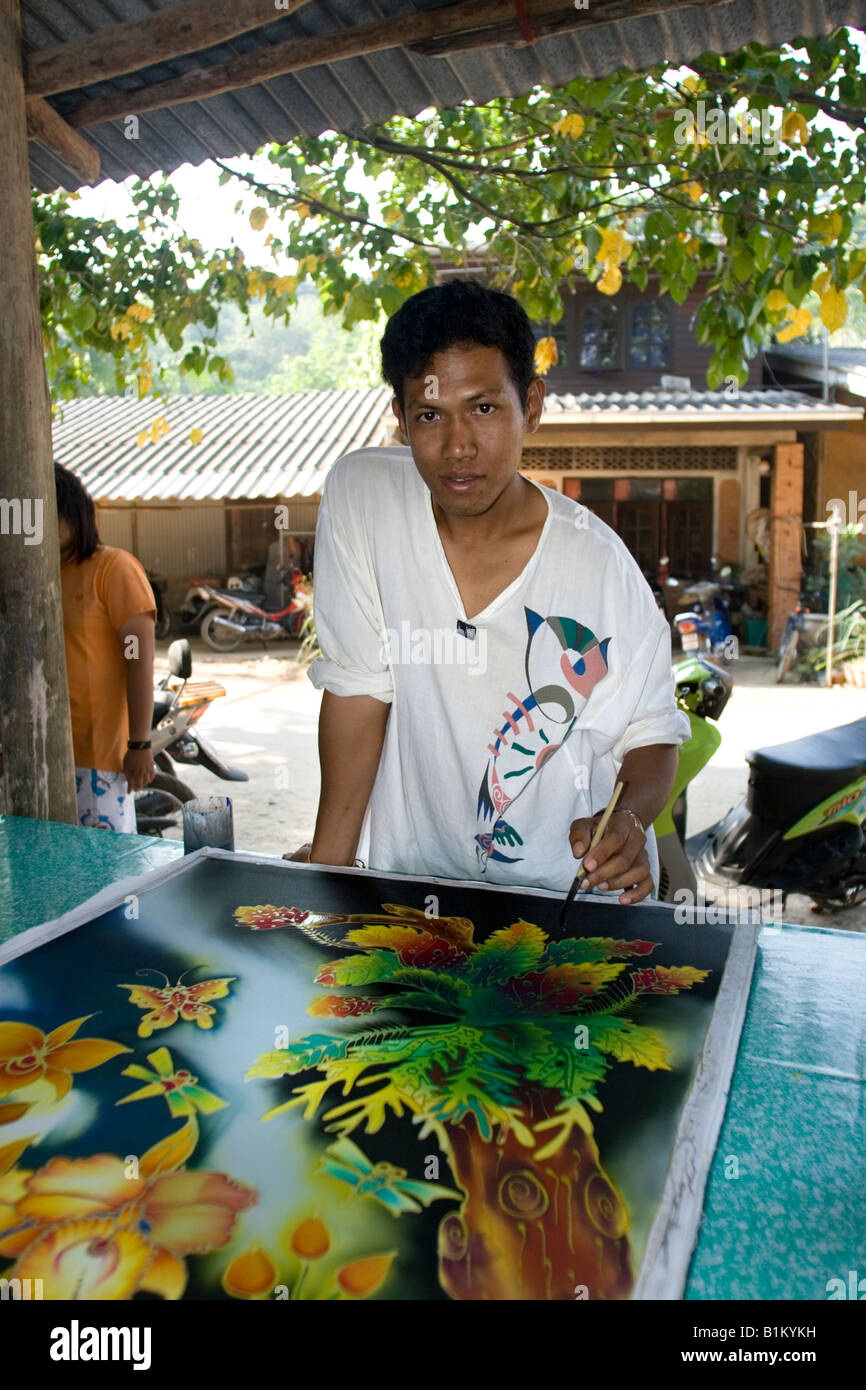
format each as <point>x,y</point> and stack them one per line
<point>492,658</point>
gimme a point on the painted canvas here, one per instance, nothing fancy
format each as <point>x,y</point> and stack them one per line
<point>246,1079</point>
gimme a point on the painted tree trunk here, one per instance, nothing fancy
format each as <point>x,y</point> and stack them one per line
<point>530,1230</point>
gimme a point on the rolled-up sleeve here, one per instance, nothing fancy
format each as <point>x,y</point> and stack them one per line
<point>347,613</point>
<point>654,714</point>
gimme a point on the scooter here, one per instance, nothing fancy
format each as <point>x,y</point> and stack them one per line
<point>178,706</point>
<point>706,625</point>
<point>234,618</point>
<point>800,826</point>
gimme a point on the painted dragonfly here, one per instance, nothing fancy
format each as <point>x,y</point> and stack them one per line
<point>383,1181</point>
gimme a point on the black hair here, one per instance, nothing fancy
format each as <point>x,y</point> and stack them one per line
<point>459,311</point>
<point>75,507</point>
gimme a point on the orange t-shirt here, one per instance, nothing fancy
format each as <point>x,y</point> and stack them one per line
<point>99,596</point>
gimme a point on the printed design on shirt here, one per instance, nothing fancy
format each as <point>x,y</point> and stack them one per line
<point>564,661</point>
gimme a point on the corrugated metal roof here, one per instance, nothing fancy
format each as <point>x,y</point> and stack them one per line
<point>358,92</point>
<point>256,445</point>
<point>850,358</point>
<point>676,407</point>
<point>251,446</point>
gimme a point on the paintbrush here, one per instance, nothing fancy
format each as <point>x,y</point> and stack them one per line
<point>581,873</point>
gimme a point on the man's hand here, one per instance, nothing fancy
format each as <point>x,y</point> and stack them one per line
<point>138,768</point>
<point>619,860</point>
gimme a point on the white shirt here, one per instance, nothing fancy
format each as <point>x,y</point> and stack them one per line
<point>496,741</point>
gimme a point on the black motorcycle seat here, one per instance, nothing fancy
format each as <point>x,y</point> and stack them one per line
<point>161,708</point>
<point>788,779</point>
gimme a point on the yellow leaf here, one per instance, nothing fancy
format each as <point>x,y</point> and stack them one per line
<point>827,226</point>
<point>694,190</point>
<point>391,214</point>
<point>572,125</point>
<point>258,218</point>
<point>795,127</point>
<point>303,209</point>
<point>141,438</point>
<point>821,283</point>
<point>140,313</point>
<point>797,325</point>
<point>690,84</point>
<point>834,309</point>
<point>284,284</point>
<point>196,436</point>
<point>615,246</point>
<point>611,280</point>
<point>777,299</point>
<point>546,355</point>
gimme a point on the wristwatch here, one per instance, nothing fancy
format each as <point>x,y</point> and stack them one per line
<point>138,745</point>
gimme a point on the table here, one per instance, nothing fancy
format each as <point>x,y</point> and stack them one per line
<point>785,1206</point>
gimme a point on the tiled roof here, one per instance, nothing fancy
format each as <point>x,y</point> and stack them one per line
<point>251,445</point>
<point>358,92</point>
<point>682,406</point>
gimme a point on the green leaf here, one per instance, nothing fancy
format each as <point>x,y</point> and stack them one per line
<point>508,952</point>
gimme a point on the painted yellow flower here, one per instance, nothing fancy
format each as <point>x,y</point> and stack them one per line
<point>89,1230</point>
<point>310,1240</point>
<point>546,355</point>
<point>610,281</point>
<point>180,1089</point>
<point>364,1277</point>
<point>250,1275</point>
<point>27,1055</point>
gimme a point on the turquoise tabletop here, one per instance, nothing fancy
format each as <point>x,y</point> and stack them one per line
<point>47,868</point>
<point>785,1208</point>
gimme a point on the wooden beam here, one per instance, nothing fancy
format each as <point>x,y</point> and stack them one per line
<point>510,33</point>
<point>786,538</point>
<point>186,28</point>
<point>34,699</point>
<point>49,129</point>
<point>275,61</point>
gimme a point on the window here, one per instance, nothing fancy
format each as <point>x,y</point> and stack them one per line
<point>599,337</point>
<point>650,336</point>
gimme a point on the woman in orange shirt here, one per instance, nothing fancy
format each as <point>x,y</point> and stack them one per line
<point>108,621</point>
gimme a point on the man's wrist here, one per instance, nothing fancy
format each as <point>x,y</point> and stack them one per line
<point>626,811</point>
<point>138,745</point>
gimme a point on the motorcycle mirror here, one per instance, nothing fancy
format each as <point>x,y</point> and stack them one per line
<point>726,572</point>
<point>180,659</point>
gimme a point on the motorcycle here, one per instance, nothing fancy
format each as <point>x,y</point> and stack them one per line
<point>178,706</point>
<point>706,625</point>
<point>196,606</point>
<point>800,826</point>
<point>234,618</point>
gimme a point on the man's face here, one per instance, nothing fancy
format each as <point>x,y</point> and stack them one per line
<point>465,425</point>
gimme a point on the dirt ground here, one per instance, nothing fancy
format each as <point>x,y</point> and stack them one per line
<point>266,724</point>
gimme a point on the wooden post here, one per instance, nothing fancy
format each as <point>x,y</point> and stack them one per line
<point>34,699</point>
<point>786,538</point>
<point>833,524</point>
